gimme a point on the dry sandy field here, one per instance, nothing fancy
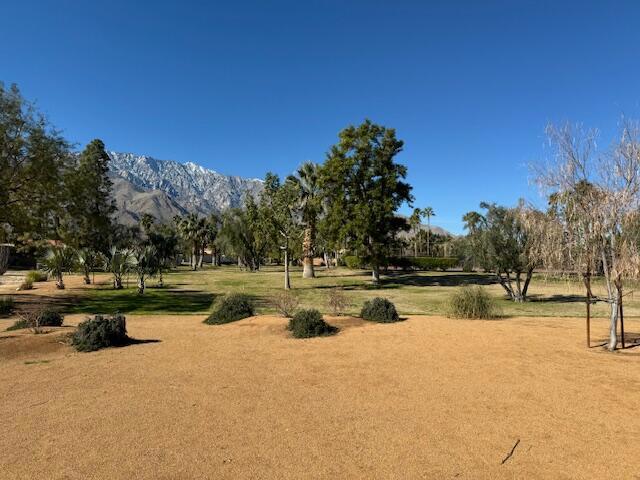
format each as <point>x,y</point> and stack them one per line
<point>429,397</point>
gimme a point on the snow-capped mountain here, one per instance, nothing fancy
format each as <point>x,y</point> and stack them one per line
<point>185,186</point>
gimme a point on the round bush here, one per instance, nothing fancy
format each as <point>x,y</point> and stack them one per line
<point>379,310</point>
<point>50,318</point>
<point>100,332</point>
<point>36,276</point>
<point>309,323</point>
<point>472,302</point>
<point>232,307</point>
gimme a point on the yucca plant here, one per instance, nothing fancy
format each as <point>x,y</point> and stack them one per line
<point>118,263</point>
<point>58,261</point>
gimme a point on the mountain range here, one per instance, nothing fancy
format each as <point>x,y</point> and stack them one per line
<point>165,188</point>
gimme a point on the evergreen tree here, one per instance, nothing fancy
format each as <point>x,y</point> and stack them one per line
<point>364,188</point>
<point>89,221</point>
<point>33,157</point>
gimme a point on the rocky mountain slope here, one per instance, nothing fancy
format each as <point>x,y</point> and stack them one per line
<point>164,188</point>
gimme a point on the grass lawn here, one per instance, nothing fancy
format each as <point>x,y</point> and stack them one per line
<point>423,293</point>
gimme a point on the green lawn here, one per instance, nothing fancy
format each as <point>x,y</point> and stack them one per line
<point>188,292</point>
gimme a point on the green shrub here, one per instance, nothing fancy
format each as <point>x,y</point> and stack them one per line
<point>379,310</point>
<point>353,262</point>
<point>232,307</point>
<point>434,263</point>
<point>100,332</point>
<point>43,317</point>
<point>50,318</point>
<point>403,263</point>
<point>36,276</point>
<point>309,323</point>
<point>472,302</point>
<point>7,305</point>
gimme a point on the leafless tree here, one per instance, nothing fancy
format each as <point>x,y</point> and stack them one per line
<point>593,211</point>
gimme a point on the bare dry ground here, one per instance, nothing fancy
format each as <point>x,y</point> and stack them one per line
<point>429,397</point>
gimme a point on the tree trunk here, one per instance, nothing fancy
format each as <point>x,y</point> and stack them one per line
<point>141,285</point>
<point>287,281</point>
<point>613,326</point>
<point>87,278</point>
<point>527,281</point>
<point>4,258</point>
<point>587,284</point>
<point>59,282</point>
<point>307,252</point>
<point>117,282</point>
<point>160,279</point>
<point>327,260</point>
<point>428,236</point>
<point>375,275</point>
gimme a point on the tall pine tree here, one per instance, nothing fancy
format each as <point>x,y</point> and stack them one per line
<point>89,221</point>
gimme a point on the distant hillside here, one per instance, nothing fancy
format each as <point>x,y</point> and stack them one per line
<point>165,188</point>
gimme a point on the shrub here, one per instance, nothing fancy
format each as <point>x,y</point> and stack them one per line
<point>19,325</point>
<point>379,310</point>
<point>434,263</point>
<point>43,317</point>
<point>27,284</point>
<point>36,276</point>
<point>286,303</point>
<point>403,263</point>
<point>100,332</point>
<point>472,302</point>
<point>353,262</point>
<point>50,318</point>
<point>232,307</point>
<point>309,323</point>
<point>7,305</point>
<point>337,301</point>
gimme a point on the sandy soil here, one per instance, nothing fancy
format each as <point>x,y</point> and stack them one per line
<point>426,398</point>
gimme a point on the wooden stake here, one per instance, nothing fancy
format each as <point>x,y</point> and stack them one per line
<point>621,316</point>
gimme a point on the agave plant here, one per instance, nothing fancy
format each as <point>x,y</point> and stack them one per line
<point>58,261</point>
<point>118,263</point>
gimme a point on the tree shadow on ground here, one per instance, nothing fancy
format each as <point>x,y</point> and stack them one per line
<point>556,298</point>
<point>128,301</point>
<point>137,341</point>
<point>394,280</point>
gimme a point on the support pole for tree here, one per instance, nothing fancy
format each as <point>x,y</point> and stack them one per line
<point>588,319</point>
<point>621,316</point>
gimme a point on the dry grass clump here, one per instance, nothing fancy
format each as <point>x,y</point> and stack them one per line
<point>472,302</point>
<point>286,303</point>
<point>337,301</point>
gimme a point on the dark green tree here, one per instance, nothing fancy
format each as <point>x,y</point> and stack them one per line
<point>33,157</point>
<point>365,187</point>
<point>89,221</point>
<point>499,243</point>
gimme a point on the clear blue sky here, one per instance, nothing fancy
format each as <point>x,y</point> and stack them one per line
<point>245,87</point>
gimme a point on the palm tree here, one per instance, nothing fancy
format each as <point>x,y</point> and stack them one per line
<point>88,260</point>
<point>57,261</point>
<point>118,263</point>
<point>428,212</point>
<point>308,176</point>
<point>414,221</point>
<point>192,228</point>
<point>144,262</point>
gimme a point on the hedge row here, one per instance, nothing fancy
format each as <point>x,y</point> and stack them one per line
<point>406,263</point>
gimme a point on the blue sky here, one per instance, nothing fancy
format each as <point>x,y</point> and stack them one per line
<point>245,87</point>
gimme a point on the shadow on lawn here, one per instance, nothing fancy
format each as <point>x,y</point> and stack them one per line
<point>556,298</point>
<point>153,300</point>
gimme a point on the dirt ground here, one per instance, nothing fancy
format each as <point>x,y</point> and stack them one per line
<point>429,397</point>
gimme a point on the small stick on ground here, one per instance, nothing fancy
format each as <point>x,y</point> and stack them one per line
<point>513,449</point>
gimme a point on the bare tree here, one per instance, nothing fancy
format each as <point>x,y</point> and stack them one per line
<point>592,220</point>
